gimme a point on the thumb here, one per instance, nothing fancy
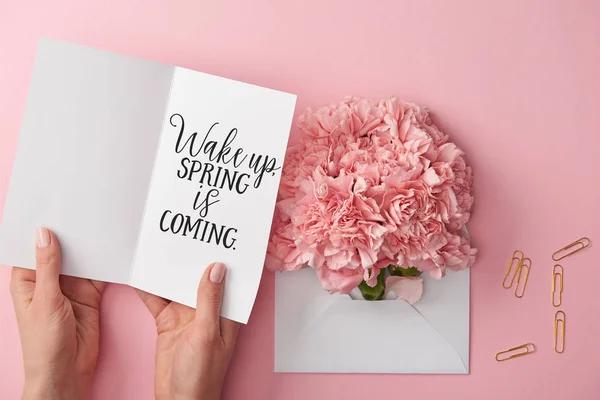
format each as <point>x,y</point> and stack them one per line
<point>47,258</point>
<point>210,296</point>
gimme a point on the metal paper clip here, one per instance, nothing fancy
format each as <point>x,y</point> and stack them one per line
<point>557,275</point>
<point>525,265</point>
<point>518,351</point>
<point>578,245</point>
<point>559,333</point>
<point>515,264</point>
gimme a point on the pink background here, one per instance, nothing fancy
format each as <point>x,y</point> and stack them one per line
<point>515,83</point>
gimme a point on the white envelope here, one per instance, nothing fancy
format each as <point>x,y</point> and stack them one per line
<point>319,332</point>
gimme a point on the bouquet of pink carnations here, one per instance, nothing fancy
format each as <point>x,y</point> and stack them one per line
<point>373,196</point>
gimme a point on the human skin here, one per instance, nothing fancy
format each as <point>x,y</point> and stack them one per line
<point>58,318</point>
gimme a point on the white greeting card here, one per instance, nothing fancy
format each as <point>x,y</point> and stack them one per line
<point>147,173</point>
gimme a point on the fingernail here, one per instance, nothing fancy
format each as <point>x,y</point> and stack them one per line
<point>42,238</point>
<point>217,273</point>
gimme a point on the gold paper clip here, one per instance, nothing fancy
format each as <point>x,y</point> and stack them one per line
<point>525,265</point>
<point>515,261</point>
<point>579,245</point>
<point>527,348</point>
<point>559,334</point>
<point>557,275</point>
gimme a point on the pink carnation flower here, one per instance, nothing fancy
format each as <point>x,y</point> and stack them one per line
<point>282,252</point>
<point>408,120</point>
<point>300,162</point>
<point>334,227</point>
<point>414,222</point>
<point>372,184</point>
<point>352,117</point>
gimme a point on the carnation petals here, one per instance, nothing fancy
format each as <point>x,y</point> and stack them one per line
<point>407,288</point>
<point>372,184</point>
<point>343,280</point>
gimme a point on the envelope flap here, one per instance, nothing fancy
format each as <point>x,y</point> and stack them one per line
<point>316,332</point>
<point>446,306</point>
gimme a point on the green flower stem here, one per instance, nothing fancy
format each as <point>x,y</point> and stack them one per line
<point>399,271</point>
<point>376,292</point>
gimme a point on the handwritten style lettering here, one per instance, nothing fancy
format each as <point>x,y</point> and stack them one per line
<point>199,229</point>
<point>228,167</point>
<point>215,177</point>
<point>206,203</point>
<point>257,163</point>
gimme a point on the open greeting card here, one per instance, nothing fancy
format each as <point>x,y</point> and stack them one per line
<point>147,173</point>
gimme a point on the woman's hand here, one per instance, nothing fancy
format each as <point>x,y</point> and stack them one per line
<point>58,320</point>
<point>194,347</point>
